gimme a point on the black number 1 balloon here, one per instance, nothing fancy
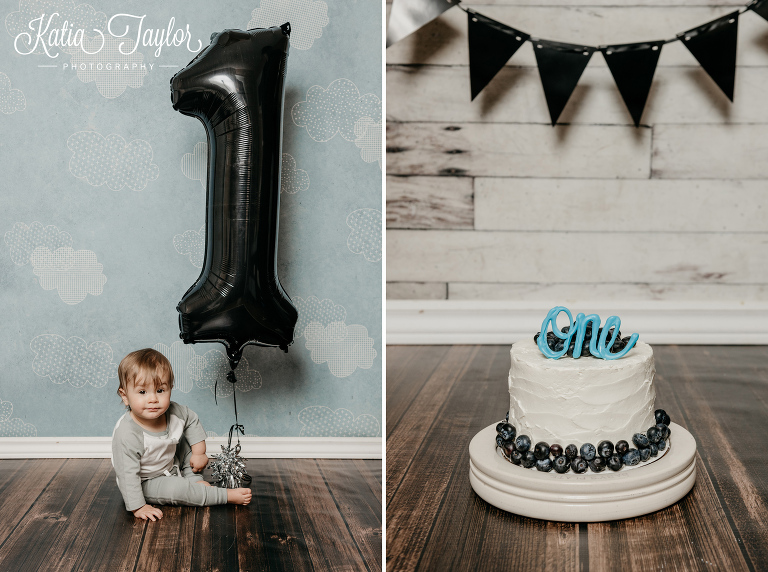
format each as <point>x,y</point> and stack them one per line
<point>236,87</point>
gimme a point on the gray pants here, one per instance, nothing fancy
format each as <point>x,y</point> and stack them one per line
<point>185,488</point>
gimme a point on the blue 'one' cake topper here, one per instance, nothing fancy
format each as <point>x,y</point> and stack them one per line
<point>600,348</point>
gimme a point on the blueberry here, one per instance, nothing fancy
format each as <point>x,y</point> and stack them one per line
<point>664,430</point>
<point>662,445</point>
<point>605,449</point>
<point>631,457</point>
<point>645,454</point>
<point>536,337</point>
<point>499,441</point>
<point>541,450</point>
<point>614,462</point>
<point>561,464</point>
<point>666,420</point>
<point>622,447</point>
<point>559,345</point>
<point>579,465</point>
<point>507,431</point>
<point>660,414</point>
<point>544,465</point>
<point>565,329</point>
<point>516,457</point>
<point>597,465</point>
<point>654,449</point>
<point>523,443</point>
<point>509,447</point>
<point>499,426</point>
<point>654,435</point>
<point>555,450</point>
<point>528,460</point>
<point>640,440</point>
<point>587,451</point>
<point>571,451</point>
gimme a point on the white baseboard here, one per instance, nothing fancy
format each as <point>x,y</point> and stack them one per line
<point>434,322</point>
<point>251,447</point>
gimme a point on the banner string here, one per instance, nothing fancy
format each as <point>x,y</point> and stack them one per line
<point>532,38</point>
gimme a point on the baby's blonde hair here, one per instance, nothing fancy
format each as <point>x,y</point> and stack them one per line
<point>154,365</point>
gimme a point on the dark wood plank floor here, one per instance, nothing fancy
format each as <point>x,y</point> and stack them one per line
<point>307,514</point>
<point>438,397</point>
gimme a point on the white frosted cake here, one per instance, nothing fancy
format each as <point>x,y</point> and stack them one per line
<point>583,400</point>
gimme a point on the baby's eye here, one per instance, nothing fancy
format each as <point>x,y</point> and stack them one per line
<point>160,390</point>
<point>142,392</point>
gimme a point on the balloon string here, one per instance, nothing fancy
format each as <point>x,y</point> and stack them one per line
<point>237,428</point>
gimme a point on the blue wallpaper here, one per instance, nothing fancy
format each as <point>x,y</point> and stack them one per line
<point>104,206</point>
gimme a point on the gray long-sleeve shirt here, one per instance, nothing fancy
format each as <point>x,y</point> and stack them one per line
<point>138,454</point>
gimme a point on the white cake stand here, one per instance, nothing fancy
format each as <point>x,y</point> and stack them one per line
<point>588,497</point>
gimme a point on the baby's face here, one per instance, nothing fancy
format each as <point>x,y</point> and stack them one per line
<point>147,401</point>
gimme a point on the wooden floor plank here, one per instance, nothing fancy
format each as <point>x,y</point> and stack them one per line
<point>414,509</point>
<point>282,535</point>
<point>19,494</point>
<point>168,542</point>
<point>70,547</point>
<point>116,543</point>
<point>407,437</point>
<point>329,541</point>
<point>215,539</point>
<point>693,533</point>
<point>721,417</point>
<point>414,373</point>
<point>370,469</point>
<point>48,517</point>
<point>361,510</point>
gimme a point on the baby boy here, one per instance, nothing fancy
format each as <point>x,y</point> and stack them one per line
<point>158,446</point>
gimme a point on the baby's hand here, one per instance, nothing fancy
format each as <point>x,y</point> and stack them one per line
<point>148,512</point>
<point>198,462</point>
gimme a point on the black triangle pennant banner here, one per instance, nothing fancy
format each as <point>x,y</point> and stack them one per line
<point>560,67</point>
<point>491,44</point>
<point>760,7</point>
<point>632,67</point>
<point>407,16</point>
<point>714,46</point>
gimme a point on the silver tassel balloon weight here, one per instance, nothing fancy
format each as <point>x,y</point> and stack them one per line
<point>228,469</point>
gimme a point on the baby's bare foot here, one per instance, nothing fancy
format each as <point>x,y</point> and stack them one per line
<point>239,496</point>
<point>206,483</point>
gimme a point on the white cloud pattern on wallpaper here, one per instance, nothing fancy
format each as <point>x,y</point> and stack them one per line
<point>292,179</point>
<point>77,15</point>
<point>365,237</point>
<point>13,427</point>
<point>72,273</point>
<point>321,421</point>
<point>194,165</point>
<point>343,347</point>
<point>73,360</point>
<point>368,139</point>
<point>336,109</point>
<point>191,243</point>
<point>11,100</point>
<point>307,18</point>
<point>314,310</point>
<point>180,355</point>
<point>110,160</point>
<point>110,69</point>
<point>23,240</point>
<point>213,366</point>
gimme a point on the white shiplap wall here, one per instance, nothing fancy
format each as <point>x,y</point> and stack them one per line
<point>486,201</point>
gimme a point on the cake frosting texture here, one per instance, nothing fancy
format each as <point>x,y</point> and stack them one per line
<point>583,400</point>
